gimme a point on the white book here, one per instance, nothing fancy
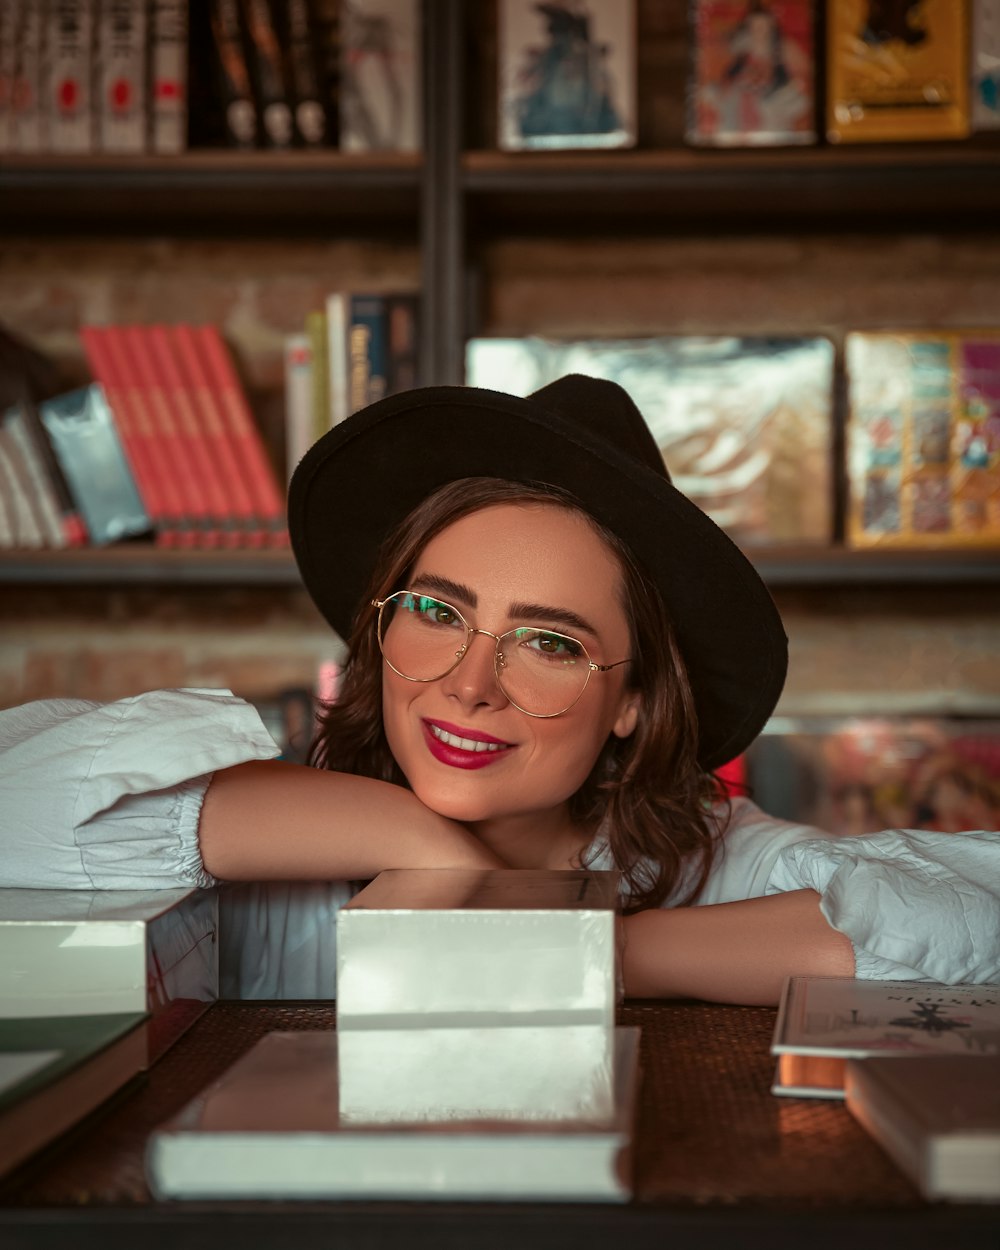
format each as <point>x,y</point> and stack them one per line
<point>93,952</point>
<point>938,1119</point>
<point>380,87</point>
<point>298,361</point>
<point>27,120</point>
<point>986,64</point>
<point>168,74</point>
<point>121,76</point>
<point>270,1128</point>
<point>338,362</point>
<point>823,1022</point>
<point>69,94</point>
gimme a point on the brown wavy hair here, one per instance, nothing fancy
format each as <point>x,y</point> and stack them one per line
<point>646,794</point>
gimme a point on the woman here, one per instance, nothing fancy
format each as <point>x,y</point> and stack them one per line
<point>550,648</point>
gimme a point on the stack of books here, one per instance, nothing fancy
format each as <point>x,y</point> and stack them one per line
<point>476,1057</point>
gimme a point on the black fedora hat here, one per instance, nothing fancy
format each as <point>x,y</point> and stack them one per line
<point>585,435</point>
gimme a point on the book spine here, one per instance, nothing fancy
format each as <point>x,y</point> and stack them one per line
<point>239,108</point>
<point>368,350</point>
<point>199,453</point>
<point>244,528</point>
<point>168,76</point>
<point>121,76</point>
<point>269,76</point>
<point>337,357</point>
<point>26,98</point>
<point>74,531</point>
<point>325,18</point>
<point>134,438</point>
<point>69,111</point>
<point>310,111</point>
<point>44,498</point>
<point>248,445</point>
<point>9,20</point>
<point>986,64</point>
<point>298,399</point>
<point>25,524</point>
<point>316,331</point>
<point>381,76</point>
<point>402,317</point>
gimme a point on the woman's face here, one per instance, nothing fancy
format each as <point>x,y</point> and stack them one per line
<point>512,565</point>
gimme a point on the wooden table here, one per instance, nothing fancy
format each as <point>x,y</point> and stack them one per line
<point>720,1162</point>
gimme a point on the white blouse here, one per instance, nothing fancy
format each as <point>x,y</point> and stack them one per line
<point>108,796</point>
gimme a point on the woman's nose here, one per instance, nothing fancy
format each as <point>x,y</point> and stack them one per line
<point>474,680</point>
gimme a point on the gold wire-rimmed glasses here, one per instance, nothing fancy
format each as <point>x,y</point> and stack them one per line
<point>543,673</point>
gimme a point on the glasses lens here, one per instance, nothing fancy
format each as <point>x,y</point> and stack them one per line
<point>421,637</point>
<point>542,672</point>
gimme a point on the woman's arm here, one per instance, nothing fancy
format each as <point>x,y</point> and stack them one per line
<point>271,820</point>
<point>732,952</point>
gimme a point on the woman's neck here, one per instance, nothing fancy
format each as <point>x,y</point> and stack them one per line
<point>549,840</point>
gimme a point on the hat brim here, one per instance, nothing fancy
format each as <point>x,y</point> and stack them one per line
<point>363,477</point>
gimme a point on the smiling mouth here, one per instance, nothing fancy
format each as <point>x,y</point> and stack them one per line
<point>464,744</point>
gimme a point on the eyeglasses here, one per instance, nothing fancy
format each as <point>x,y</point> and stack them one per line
<point>540,672</point>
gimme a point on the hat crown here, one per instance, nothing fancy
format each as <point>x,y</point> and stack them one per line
<point>603,408</point>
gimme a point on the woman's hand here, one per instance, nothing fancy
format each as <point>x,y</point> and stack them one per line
<point>270,820</point>
<point>732,952</point>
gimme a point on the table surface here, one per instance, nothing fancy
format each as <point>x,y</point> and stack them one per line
<point>719,1161</point>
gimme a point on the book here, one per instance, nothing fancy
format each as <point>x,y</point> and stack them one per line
<point>938,1119</point>
<point>922,463</point>
<point>85,440</point>
<point>25,102</point>
<point>70,953</point>
<point>8,71</point>
<point>233,74</point>
<point>312,127</point>
<point>298,362</point>
<point>824,1021</point>
<point>55,1071</point>
<point>897,71</point>
<point>752,74</point>
<point>566,75</point>
<point>402,316</point>
<point>23,525</point>
<point>271,1128</point>
<point>168,75</point>
<point>337,357</point>
<point>745,424</point>
<point>69,113</point>
<point>318,334</point>
<point>45,501</point>
<point>268,74</point>
<point>368,355</point>
<point>985,55</point>
<point>380,94</point>
<point>120,86</point>
<point>27,430</point>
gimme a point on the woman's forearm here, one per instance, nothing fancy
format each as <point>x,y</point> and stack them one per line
<point>269,820</point>
<point>732,952</point>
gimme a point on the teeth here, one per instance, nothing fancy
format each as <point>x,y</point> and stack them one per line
<point>465,744</point>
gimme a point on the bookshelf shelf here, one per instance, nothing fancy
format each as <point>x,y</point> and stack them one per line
<point>794,568</point>
<point>208,189</point>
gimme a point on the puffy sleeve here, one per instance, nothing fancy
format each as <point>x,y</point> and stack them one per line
<point>108,796</point>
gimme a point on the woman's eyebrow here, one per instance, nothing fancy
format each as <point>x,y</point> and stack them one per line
<point>553,616</point>
<point>453,591</point>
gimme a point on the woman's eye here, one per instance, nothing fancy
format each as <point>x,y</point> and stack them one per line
<point>437,613</point>
<point>556,646</point>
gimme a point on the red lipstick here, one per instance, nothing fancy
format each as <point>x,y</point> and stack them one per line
<point>448,744</point>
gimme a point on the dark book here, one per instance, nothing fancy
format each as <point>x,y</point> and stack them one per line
<point>368,350</point>
<point>232,74</point>
<point>312,127</point>
<point>268,75</point>
<point>57,1069</point>
<point>402,315</point>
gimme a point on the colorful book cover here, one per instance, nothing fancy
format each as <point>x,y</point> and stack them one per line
<point>897,70</point>
<point>566,74</point>
<point>120,85</point>
<point>923,439</point>
<point>380,76</point>
<point>269,76</point>
<point>168,75</point>
<point>69,111</point>
<point>752,73</point>
<point>745,425</point>
<point>367,350</point>
<point>986,64</point>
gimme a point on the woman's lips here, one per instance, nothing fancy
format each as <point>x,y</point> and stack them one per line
<point>462,748</point>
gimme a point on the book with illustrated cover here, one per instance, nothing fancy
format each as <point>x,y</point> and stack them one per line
<point>68,112</point>
<point>938,1119</point>
<point>120,82</point>
<point>168,75</point>
<point>566,74</point>
<point>985,64</point>
<point>268,72</point>
<point>923,438</point>
<point>232,74</point>
<point>85,439</point>
<point>897,71</point>
<point>271,1127</point>
<point>380,97</point>
<point>824,1021</point>
<point>752,73</point>
<point>745,425</point>
<point>54,1071</point>
<point>368,349</point>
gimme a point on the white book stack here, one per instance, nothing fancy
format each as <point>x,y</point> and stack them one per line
<point>103,952</point>
<point>476,1057</point>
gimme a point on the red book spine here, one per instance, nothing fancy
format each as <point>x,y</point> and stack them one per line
<point>198,455</point>
<point>248,446</point>
<point>239,500</point>
<point>134,440</point>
